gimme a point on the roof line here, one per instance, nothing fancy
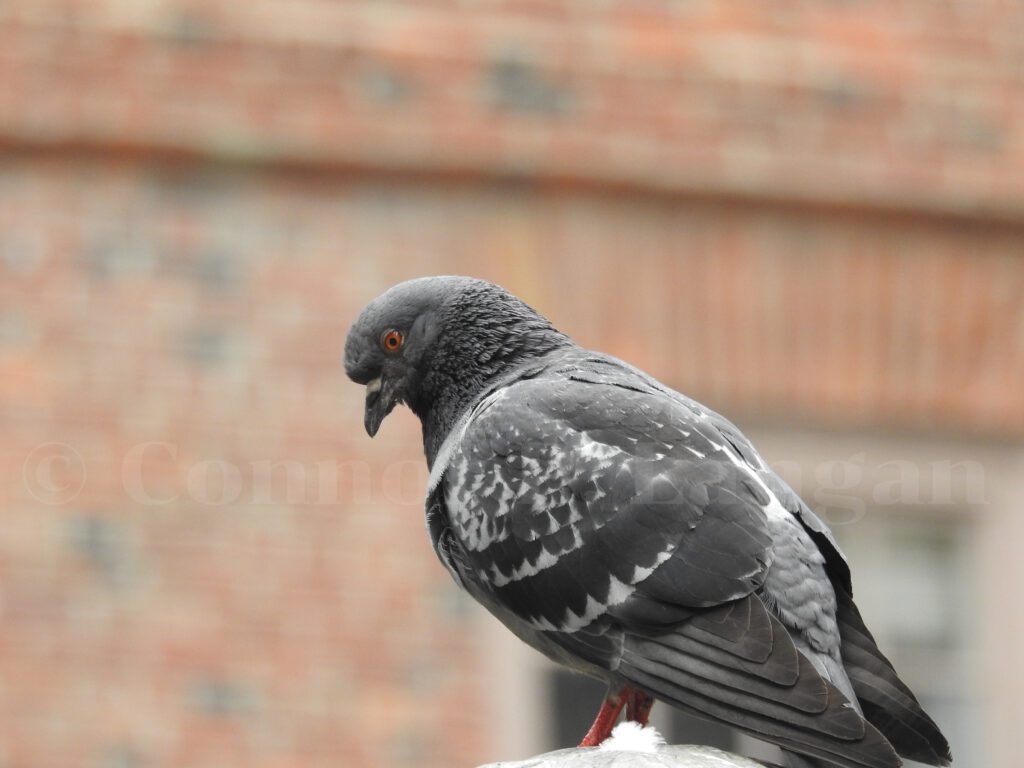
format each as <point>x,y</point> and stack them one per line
<point>327,169</point>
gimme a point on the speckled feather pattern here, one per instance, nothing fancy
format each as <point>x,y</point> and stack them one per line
<point>568,492</point>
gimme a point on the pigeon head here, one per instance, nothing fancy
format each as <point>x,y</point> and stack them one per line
<point>435,343</point>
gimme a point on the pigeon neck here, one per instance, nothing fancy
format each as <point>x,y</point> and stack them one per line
<point>448,391</point>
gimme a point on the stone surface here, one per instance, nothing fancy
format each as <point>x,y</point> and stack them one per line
<point>631,747</point>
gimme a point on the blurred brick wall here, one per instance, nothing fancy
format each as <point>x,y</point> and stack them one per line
<point>911,103</point>
<point>810,214</point>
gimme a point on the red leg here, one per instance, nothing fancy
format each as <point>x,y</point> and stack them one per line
<point>638,706</point>
<point>605,720</point>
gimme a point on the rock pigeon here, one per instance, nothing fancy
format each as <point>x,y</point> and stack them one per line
<point>628,532</point>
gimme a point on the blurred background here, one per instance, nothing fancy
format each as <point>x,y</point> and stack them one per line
<point>808,215</point>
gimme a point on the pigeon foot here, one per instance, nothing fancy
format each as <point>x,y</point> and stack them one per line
<point>606,718</point>
<point>638,709</point>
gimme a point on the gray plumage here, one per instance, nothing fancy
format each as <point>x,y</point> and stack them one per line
<point>628,532</point>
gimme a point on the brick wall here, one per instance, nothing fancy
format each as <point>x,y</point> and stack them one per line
<point>906,104</point>
<point>810,216</point>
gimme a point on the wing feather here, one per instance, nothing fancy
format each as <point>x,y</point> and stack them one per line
<point>627,527</point>
<point>780,698</point>
<point>594,510</point>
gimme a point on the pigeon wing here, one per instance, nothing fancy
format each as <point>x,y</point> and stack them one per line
<point>571,499</point>
<point>621,524</point>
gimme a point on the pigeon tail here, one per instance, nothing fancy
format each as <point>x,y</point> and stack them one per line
<point>888,703</point>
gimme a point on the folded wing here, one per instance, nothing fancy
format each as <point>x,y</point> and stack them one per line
<point>623,526</point>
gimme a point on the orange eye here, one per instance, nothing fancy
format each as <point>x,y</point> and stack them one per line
<point>392,340</point>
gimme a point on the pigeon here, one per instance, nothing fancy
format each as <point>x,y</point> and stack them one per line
<point>628,532</point>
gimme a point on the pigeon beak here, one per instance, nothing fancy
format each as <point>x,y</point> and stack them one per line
<point>380,401</point>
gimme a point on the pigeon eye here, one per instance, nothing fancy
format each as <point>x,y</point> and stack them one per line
<point>392,340</point>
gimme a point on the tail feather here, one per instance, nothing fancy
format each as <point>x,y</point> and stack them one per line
<point>714,677</point>
<point>888,703</point>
